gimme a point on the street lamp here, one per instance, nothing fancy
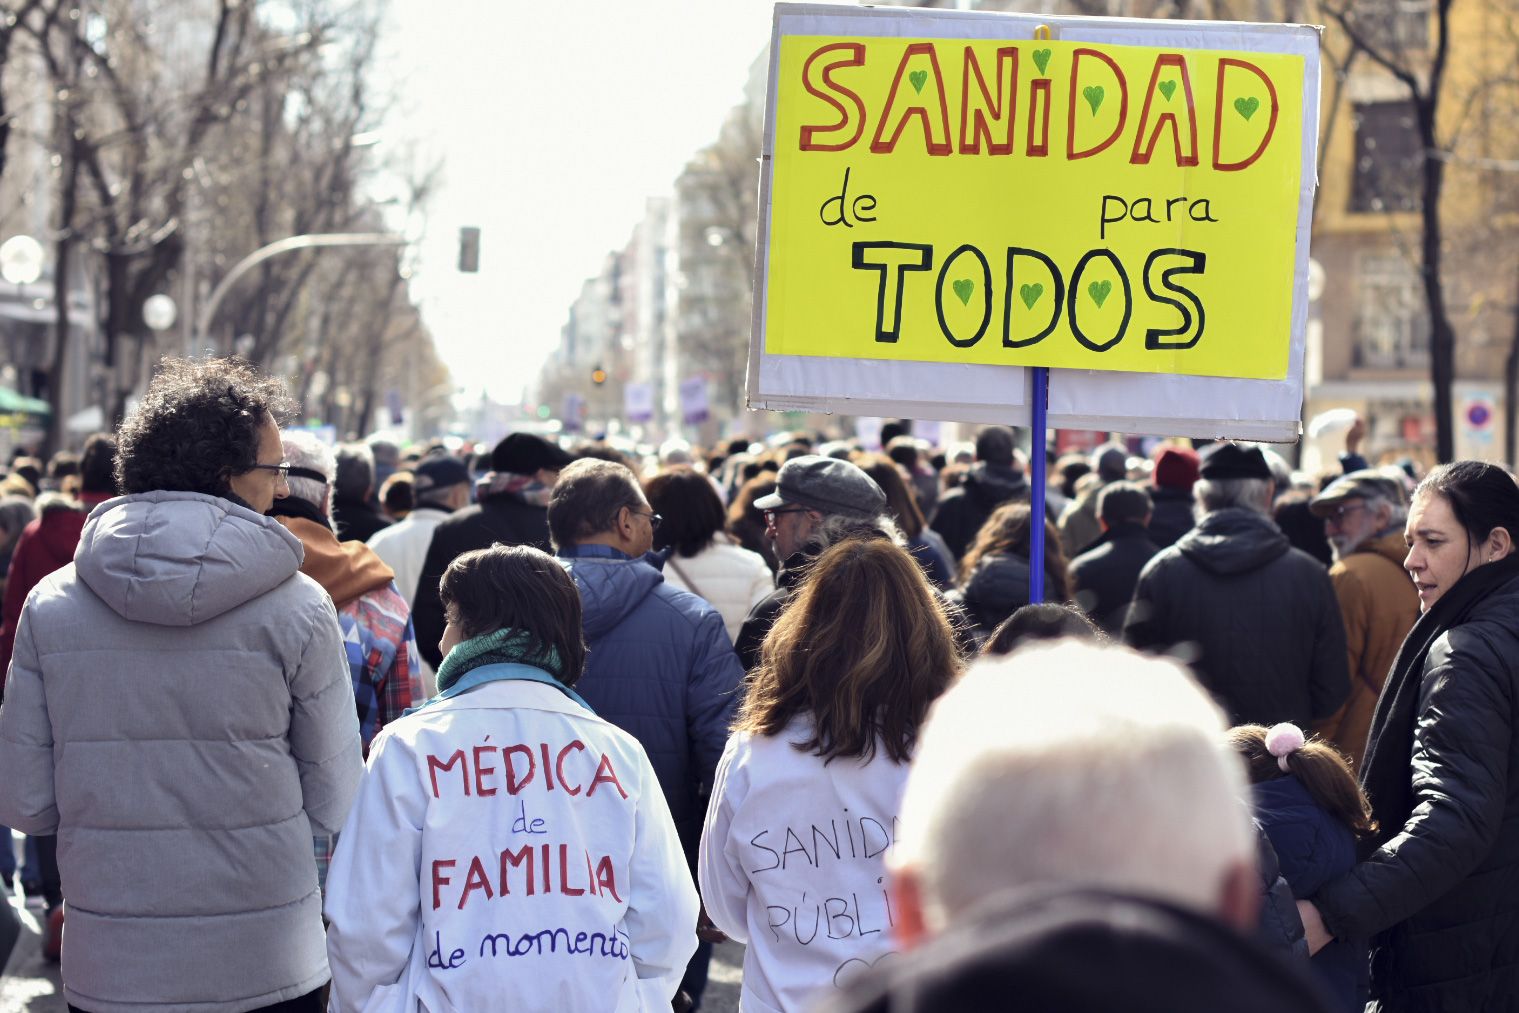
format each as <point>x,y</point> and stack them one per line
<point>159,312</point>
<point>21,260</point>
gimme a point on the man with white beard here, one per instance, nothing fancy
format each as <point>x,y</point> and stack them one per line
<point>1363,516</point>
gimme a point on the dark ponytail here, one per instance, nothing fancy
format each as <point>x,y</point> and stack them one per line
<point>1318,766</point>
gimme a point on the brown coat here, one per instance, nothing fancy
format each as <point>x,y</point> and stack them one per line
<point>1379,605</point>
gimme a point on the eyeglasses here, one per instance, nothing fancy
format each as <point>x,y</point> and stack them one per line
<point>1337,514</point>
<point>654,519</point>
<point>771,515</point>
<point>283,468</point>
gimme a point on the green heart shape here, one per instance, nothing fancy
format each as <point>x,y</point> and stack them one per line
<point>1246,107</point>
<point>1031,293</point>
<point>918,78</point>
<point>1099,291</point>
<point>1093,95</point>
<point>1042,60</point>
<point>1167,88</point>
<point>963,288</point>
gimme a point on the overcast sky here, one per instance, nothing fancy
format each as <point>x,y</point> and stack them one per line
<point>554,123</point>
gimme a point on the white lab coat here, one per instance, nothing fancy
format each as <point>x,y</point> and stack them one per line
<point>793,865</point>
<point>508,850</point>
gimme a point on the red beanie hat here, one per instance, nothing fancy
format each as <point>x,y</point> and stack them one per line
<point>1175,468</point>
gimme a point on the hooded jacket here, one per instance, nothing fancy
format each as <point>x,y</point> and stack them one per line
<point>964,509</point>
<point>1379,604</point>
<point>1259,618</point>
<point>46,544</point>
<point>180,716</point>
<point>660,666</point>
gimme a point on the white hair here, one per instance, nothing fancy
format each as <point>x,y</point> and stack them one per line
<point>1210,494</point>
<point>305,450</point>
<point>1079,765</point>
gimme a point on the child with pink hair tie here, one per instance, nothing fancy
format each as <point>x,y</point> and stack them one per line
<point>1313,811</point>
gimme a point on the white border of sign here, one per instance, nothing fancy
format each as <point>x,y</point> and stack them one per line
<point>1159,404</point>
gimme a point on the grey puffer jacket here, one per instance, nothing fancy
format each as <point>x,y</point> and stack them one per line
<point>179,712</point>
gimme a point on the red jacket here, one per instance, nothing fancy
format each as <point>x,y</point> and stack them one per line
<point>45,545</point>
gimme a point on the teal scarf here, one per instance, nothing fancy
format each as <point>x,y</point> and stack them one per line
<point>504,647</point>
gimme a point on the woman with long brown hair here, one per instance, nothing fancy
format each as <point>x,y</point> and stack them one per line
<point>994,574</point>
<point>805,799</point>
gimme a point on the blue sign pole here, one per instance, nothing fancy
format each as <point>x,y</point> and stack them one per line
<point>1041,396</point>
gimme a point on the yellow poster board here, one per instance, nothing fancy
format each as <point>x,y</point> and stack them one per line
<point>1033,203</point>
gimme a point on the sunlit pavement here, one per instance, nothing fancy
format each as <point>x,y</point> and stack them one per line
<point>31,985</point>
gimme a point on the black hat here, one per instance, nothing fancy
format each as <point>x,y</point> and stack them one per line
<point>1231,460</point>
<point>827,485</point>
<point>438,472</point>
<point>526,454</point>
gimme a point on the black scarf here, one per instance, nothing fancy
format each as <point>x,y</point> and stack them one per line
<point>1389,748</point>
<point>294,506</point>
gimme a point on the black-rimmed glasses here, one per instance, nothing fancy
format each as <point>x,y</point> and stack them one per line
<point>283,468</point>
<point>771,515</point>
<point>1337,514</point>
<point>654,519</point>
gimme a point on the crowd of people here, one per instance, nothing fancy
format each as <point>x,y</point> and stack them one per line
<point>551,720</point>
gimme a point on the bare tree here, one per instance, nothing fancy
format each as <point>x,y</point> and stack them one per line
<point>1422,73</point>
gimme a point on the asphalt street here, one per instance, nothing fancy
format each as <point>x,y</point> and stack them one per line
<point>31,985</point>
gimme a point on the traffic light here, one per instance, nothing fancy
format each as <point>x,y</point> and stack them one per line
<point>598,376</point>
<point>469,250</point>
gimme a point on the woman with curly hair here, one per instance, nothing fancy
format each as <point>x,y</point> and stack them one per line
<point>994,574</point>
<point>179,707</point>
<point>804,802</point>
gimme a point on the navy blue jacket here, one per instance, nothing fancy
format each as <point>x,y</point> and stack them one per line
<point>660,666</point>
<point>1313,848</point>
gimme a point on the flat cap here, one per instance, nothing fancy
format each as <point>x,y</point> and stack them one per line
<point>1357,485</point>
<point>827,485</point>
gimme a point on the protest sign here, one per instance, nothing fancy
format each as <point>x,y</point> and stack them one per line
<point>936,200</point>
<point>1126,201</point>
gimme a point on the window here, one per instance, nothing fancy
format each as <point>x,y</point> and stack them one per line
<point>1388,158</point>
<point>1391,325</point>
<point>1395,27</point>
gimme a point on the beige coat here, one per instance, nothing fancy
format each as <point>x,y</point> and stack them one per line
<point>1379,605</point>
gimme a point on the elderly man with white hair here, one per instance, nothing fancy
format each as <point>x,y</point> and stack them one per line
<point>1363,514</point>
<point>1073,834</point>
<point>1256,617</point>
<point>376,621</point>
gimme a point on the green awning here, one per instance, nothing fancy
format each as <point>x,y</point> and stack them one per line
<point>10,401</point>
